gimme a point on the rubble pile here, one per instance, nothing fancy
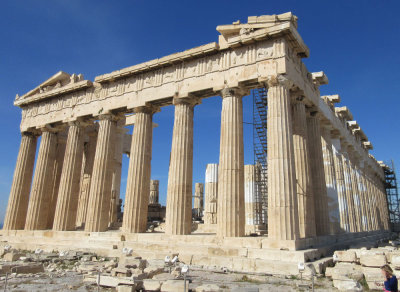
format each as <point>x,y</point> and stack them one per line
<point>357,268</point>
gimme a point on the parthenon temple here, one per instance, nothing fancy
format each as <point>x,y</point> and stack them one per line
<point>323,188</point>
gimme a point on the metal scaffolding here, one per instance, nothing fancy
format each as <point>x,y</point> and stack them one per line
<point>260,103</point>
<point>392,193</point>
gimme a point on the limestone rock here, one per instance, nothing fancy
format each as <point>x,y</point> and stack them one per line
<point>151,285</point>
<point>163,277</point>
<point>152,271</point>
<point>395,261</point>
<point>125,288</point>
<point>377,260</point>
<point>207,288</point>
<point>29,269</point>
<point>347,256</point>
<point>121,271</point>
<point>174,286</point>
<point>131,262</point>
<point>373,275</point>
<point>347,285</point>
<point>344,271</point>
<point>12,256</point>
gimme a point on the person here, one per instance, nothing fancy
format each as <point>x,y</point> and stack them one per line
<point>390,284</point>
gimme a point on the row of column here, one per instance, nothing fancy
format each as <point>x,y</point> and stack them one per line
<point>309,178</point>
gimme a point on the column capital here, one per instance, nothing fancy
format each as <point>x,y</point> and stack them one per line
<point>111,117</point>
<point>190,100</point>
<point>147,109</point>
<point>279,80</point>
<point>297,96</point>
<point>51,128</point>
<point>234,91</point>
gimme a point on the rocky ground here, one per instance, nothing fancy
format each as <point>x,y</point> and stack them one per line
<point>355,269</point>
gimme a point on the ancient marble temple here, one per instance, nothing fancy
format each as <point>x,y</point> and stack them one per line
<point>321,179</point>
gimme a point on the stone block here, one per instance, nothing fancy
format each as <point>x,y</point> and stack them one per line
<point>137,274</point>
<point>152,271</point>
<point>151,285</point>
<point>174,286</point>
<point>344,271</point>
<point>347,256</point>
<point>395,261</point>
<point>131,262</point>
<point>347,285</point>
<point>29,269</point>
<point>377,260</point>
<point>12,256</point>
<point>126,288</point>
<point>208,288</point>
<point>109,281</point>
<point>121,271</point>
<point>373,276</point>
<point>163,277</point>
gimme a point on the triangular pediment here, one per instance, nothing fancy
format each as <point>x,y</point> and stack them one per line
<point>56,81</point>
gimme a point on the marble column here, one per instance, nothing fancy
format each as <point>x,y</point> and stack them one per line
<point>230,215</point>
<point>211,194</point>
<point>58,164</point>
<point>356,192</point>
<point>340,184</point>
<point>154,192</point>
<point>330,180</point>
<point>349,188</point>
<point>39,201</point>
<point>89,153</point>
<point>179,192</point>
<point>139,173</point>
<point>19,195</point>
<point>318,174</point>
<point>282,199</point>
<point>305,197</point>
<point>68,194</point>
<point>252,200</point>
<point>362,192</point>
<point>116,178</point>
<point>371,199</point>
<point>100,186</point>
<point>198,200</point>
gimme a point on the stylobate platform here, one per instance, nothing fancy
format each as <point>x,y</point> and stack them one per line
<point>244,254</point>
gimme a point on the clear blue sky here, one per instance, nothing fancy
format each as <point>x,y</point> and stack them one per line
<point>356,43</point>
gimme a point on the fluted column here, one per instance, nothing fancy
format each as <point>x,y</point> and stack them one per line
<point>58,164</point>
<point>363,196</point>
<point>252,194</point>
<point>330,180</point>
<point>100,185</point>
<point>39,201</point>
<point>340,184</point>
<point>179,194</point>
<point>318,174</point>
<point>154,192</point>
<point>116,178</point>
<point>211,193</point>
<point>356,192</point>
<point>19,194</point>
<point>371,200</point>
<point>198,199</point>
<point>89,153</point>
<point>68,194</point>
<point>230,215</point>
<point>138,183</point>
<point>349,189</point>
<point>305,197</point>
<point>282,200</point>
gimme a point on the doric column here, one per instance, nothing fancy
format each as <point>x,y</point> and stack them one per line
<point>211,193</point>
<point>230,222</point>
<point>179,194</point>
<point>100,186</point>
<point>198,199</point>
<point>252,194</point>
<point>116,178</point>
<point>58,164</point>
<point>68,193</point>
<point>349,189</point>
<point>356,192</point>
<point>330,180</point>
<point>318,174</point>
<point>87,165</point>
<point>138,183</point>
<point>371,200</point>
<point>19,195</point>
<point>363,195</point>
<point>282,200</point>
<point>340,183</point>
<point>305,197</point>
<point>154,192</point>
<point>39,201</point>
